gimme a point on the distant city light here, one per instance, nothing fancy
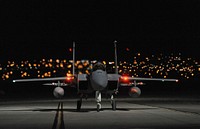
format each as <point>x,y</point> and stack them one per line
<point>127,49</point>
<point>153,66</point>
<point>70,50</point>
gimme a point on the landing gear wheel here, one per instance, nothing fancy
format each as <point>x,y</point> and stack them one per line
<point>113,103</point>
<point>98,100</point>
<point>98,107</point>
<point>79,103</point>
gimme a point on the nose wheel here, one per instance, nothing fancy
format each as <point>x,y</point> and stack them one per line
<point>98,107</point>
<point>98,100</point>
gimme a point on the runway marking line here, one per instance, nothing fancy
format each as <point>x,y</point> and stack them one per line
<point>58,120</point>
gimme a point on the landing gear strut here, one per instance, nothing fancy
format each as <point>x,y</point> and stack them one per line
<point>79,103</point>
<point>113,103</point>
<point>98,100</point>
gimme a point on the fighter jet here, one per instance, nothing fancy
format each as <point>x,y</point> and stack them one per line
<point>98,81</point>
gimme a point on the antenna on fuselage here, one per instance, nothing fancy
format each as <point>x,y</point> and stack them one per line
<point>116,65</point>
<point>73,67</point>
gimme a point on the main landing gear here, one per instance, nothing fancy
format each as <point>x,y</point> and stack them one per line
<point>79,103</point>
<point>113,103</point>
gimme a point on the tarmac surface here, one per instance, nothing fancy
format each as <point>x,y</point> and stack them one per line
<point>132,113</point>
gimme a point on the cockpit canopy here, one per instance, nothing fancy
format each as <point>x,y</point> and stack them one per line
<point>99,66</point>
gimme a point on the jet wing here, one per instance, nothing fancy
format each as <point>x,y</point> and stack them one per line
<point>149,79</point>
<point>81,77</point>
<point>41,79</point>
<point>116,77</point>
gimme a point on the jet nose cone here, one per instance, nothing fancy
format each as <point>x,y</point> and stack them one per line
<point>101,83</point>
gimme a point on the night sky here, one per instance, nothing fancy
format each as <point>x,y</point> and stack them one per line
<point>44,29</point>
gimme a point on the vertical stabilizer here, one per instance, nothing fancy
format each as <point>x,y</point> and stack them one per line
<point>116,65</point>
<point>73,68</point>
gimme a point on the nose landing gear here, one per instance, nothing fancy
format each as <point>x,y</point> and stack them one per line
<point>98,100</point>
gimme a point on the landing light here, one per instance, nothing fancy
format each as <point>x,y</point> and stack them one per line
<point>125,78</point>
<point>69,78</point>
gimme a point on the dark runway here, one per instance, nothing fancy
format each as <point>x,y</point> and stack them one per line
<point>159,106</point>
<point>137,113</point>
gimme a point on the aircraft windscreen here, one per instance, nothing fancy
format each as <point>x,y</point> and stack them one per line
<point>99,66</point>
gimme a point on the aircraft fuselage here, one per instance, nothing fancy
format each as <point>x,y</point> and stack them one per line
<point>99,80</point>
